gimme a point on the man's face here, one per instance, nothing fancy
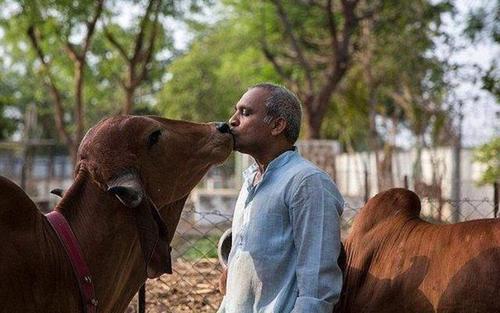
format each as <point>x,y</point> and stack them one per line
<point>250,132</point>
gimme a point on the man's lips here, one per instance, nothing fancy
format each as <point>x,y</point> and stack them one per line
<point>234,137</point>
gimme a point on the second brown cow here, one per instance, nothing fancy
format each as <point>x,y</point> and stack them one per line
<point>397,262</point>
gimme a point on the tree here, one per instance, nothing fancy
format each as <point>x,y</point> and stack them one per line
<point>80,61</point>
<point>223,47</point>
<point>310,44</point>
<point>483,25</point>
<point>20,89</point>
<point>489,155</point>
<point>51,28</point>
<point>314,79</point>
<point>137,51</point>
<point>7,96</point>
<point>211,76</point>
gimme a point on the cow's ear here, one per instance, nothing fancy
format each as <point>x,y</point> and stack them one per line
<point>158,258</point>
<point>127,188</point>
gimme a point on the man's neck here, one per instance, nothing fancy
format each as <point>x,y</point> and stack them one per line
<point>264,160</point>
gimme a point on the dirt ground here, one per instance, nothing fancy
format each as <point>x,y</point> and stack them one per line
<point>191,289</point>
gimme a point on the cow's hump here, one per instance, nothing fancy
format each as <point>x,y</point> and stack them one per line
<point>390,204</point>
<point>16,207</point>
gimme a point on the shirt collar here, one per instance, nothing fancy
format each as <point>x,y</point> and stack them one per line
<point>279,161</point>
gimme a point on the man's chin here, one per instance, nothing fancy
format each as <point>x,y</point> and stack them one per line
<point>236,145</point>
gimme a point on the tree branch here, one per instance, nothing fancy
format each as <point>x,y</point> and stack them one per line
<point>341,57</point>
<point>60,125</point>
<point>117,45</point>
<point>272,58</point>
<point>294,42</point>
<point>370,12</point>
<point>79,72</point>
<point>332,26</point>
<point>139,41</point>
<point>91,26</point>
<point>72,53</point>
<point>151,44</point>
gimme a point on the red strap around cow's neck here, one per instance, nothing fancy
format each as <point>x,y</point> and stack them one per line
<point>80,268</point>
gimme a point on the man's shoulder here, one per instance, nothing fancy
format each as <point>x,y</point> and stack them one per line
<point>302,168</point>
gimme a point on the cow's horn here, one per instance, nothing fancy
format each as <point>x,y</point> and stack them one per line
<point>127,189</point>
<point>58,192</point>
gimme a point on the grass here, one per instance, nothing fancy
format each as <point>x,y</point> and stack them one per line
<point>202,248</point>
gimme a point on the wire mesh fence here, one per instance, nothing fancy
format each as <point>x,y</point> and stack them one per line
<point>193,287</point>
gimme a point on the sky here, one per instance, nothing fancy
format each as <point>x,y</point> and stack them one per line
<point>481,113</point>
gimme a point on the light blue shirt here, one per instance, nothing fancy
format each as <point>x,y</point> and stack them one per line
<point>286,241</point>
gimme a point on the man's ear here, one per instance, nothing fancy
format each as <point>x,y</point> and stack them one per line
<point>278,126</point>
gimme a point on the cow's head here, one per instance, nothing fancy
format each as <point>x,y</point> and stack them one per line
<point>150,164</point>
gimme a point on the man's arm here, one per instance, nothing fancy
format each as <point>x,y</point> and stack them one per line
<point>315,210</point>
<point>223,281</point>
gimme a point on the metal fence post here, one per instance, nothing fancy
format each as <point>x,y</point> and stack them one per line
<point>456,177</point>
<point>495,199</point>
<point>367,188</point>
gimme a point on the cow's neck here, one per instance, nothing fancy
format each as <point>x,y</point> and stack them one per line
<point>108,238</point>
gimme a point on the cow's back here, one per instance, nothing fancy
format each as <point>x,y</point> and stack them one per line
<point>470,267</point>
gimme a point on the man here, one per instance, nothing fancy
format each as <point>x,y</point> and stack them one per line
<point>286,235</point>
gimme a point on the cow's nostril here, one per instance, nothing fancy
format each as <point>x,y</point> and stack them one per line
<point>222,127</point>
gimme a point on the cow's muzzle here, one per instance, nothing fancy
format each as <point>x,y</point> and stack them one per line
<point>223,127</point>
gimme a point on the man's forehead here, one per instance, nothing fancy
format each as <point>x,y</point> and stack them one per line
<point>253,98</point>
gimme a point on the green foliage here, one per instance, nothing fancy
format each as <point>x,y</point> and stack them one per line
<point>20,88</point>
<point>484,20</point>
<point>7,125</point>
<point>491,80</point>
<point>202,248</point>
<point>225,58</point>
<point>347,119</point>
<point>396,71</point>
<point>58,22</point>
<point>483,25</point>
<point>207,81</point>
<point>489,155</point>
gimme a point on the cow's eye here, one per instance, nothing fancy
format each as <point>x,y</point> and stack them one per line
<point>154,137</point>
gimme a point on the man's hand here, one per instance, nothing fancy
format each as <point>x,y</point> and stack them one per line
<point>222,281</point>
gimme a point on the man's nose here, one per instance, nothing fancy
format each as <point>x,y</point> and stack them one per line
<point>233,121</point>
<point>222,127</point>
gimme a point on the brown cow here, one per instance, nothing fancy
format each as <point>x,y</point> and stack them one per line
<point>127,167</point>
<point>397,262</point>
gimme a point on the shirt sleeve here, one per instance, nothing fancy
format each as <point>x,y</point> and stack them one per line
<point>315,210</point>
<point>222,307</point>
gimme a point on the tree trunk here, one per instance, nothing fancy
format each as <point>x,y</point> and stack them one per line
<point>417,163</point>
<point>79,114</point>
<point>129,100</point>
<point>313,124</point>
<point>384,169</point>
